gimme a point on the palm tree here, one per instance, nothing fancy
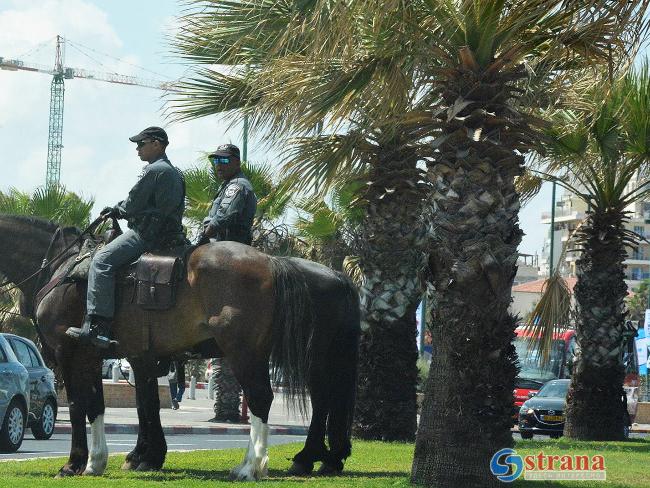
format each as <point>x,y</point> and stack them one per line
<point>371,115</point>
<point>601,154</point>
<point>53,202</point>
<point>489,52</point>
<point>384,77</point>
<point>329,227</point>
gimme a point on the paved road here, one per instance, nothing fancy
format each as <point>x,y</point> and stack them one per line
<point>633,435</point>
<point>59,444</point>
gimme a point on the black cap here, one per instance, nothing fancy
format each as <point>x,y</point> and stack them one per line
<point>155,133</point>
<point>226,150</point>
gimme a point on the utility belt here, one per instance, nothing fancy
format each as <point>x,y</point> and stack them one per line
<point>237,233</point>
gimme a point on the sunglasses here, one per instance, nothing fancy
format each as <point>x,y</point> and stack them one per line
<point>140,144</point>
<point>219,160</point>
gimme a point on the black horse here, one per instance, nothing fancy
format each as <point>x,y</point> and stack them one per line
<point>299,316</point>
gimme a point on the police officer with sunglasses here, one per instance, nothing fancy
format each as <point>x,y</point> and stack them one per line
<point>233,209</point>
<point>154,211</point>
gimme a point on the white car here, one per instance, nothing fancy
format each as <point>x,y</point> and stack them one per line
<point>107,368</point>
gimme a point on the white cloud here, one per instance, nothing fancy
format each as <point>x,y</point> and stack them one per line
<point>31,23</point>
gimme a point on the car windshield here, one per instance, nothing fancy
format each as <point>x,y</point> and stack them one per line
<point>529,361</point>
<point>554,389</point>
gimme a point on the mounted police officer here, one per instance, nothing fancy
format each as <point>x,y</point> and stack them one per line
<point>154,210</point>
<point>233,209</point>
<point>230,219</point>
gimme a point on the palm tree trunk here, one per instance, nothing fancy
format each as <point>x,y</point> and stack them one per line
<point>386,407</point>
<point>595,407</point>
<point>391,257</point>
<point>466,415</point>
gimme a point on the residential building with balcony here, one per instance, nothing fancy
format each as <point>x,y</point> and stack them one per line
<point>569,213</point>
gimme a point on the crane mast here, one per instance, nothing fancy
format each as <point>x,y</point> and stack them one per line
<point>55,135</point>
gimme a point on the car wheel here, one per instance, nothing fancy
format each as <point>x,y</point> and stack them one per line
<point>556,435</point>
<point>526,435</point>
<point>43,428</point>
<point>13,427</point>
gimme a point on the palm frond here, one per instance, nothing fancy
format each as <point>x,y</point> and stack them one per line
<point>552,312</point>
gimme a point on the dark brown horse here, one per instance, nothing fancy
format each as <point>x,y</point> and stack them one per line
<point>299,315</point>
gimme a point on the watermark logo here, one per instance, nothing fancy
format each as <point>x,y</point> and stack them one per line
<point>507,466</point>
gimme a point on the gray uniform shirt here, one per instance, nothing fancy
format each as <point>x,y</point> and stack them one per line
<point>233,210</point>
<point>155,205</point>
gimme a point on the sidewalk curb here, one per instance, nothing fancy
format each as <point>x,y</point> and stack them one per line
<point>189,430</point>
<point>216,430</point>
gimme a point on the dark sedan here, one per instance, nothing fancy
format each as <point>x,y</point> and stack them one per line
<point>544,413</point>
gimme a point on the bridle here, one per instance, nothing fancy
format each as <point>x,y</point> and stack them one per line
<point>47,263</point>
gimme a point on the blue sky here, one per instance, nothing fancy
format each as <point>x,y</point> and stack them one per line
<point>97,159</point>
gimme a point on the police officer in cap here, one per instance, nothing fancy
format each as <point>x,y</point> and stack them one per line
<point>154,211</point>
<point>233,209</point>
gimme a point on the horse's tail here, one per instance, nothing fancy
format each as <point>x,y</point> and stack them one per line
<point>344,383</point>
<point>293,325</point>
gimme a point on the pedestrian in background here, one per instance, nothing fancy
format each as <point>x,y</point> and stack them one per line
<point>176,379</point>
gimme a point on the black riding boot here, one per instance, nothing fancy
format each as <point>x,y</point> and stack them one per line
<point>96,330</point>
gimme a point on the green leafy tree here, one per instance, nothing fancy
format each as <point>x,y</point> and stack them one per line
<point>638,303</point>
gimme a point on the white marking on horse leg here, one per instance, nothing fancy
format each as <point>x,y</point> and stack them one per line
<point>98,456</point>
<point>256,460</point>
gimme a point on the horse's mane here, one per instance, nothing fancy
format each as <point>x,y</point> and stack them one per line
<point>38,222</point>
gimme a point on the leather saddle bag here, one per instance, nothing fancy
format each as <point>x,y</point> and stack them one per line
<point>156,281</point>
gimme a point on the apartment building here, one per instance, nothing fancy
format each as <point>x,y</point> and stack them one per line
<point>569,212</point>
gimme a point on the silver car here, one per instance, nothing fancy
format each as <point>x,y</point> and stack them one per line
<point>14,398</point>
<point>43,404</point>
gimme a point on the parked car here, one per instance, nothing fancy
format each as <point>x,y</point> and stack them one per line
<point>14,398</point>
<point>544,412</point>
<point>43,404</point>
<point>107,368</point>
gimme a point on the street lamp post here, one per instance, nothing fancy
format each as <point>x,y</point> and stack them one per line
<point>550,266</point>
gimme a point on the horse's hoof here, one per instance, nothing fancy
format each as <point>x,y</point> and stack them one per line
<point>145,466</point>
<point>130,465</point>
<point>299,469</point>
<point>67,471</point>
<point>329,470</point>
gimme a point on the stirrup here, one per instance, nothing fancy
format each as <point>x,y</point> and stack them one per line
<point>102,342</point>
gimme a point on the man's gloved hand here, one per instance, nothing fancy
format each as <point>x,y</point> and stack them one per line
<point>209,230</point>
<point>108,212</point>
<point>202,240</point>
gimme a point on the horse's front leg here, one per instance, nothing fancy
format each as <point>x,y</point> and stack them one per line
<point>78,387</point>
<point>98,448</point>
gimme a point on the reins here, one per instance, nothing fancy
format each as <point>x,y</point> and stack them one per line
<point>47,263</point>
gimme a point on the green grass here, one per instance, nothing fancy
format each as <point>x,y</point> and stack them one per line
<point>372,464</point>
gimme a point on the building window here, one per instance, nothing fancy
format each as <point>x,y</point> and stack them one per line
<point>640,229</point>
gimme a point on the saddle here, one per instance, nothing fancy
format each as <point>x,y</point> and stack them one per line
<point>154,276</point>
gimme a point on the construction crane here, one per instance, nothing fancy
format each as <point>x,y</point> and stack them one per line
<point>57,90</point>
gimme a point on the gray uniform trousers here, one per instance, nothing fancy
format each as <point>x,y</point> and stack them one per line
<point>101,278</point>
